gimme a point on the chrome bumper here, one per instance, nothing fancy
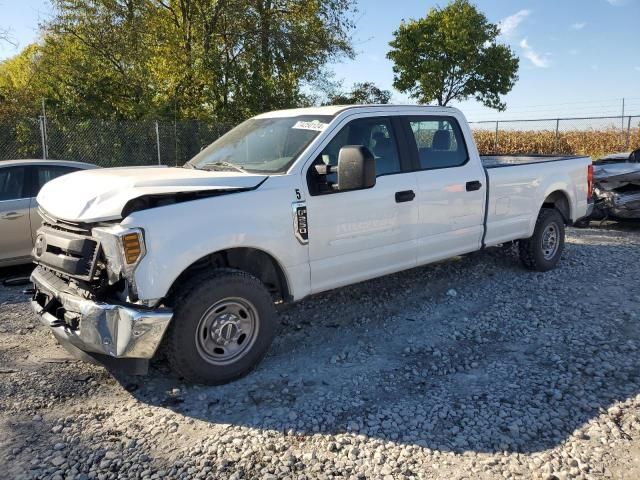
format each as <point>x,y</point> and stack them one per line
<point>118,331</point>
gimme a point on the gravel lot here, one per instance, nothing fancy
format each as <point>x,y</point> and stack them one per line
<point>471,368</point>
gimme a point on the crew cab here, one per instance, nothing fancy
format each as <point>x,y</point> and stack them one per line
<point>287,204</point>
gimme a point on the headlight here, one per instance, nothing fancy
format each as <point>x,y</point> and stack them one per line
<point>123,249</point>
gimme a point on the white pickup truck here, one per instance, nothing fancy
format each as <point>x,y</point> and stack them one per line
<point>287,204</point>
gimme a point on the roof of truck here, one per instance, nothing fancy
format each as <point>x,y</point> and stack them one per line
<point>335,109</point>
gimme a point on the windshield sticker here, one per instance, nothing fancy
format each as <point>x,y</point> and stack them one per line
<point>313,125</point>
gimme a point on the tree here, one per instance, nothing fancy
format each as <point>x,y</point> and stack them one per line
<point>19,89</point>
<point>217,60</point>
<point>452,54</point>
<point>5,36</point>
<point>361,93</point>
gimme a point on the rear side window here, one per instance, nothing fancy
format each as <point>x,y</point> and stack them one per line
<point>48,173</point>
<point>439,141</point>
<point>12,183</point>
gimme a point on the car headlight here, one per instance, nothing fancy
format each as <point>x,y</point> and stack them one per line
<point>123,249</point>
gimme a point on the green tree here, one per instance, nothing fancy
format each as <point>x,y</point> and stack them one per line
<point>452,54</point>
<point>218,60</point>
<point>361,93</point>
<point>19,86</point>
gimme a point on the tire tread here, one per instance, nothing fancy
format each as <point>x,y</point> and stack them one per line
<point>528,248</point>
<point>174,352</point>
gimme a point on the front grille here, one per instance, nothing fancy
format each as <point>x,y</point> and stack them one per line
<point>66,248</point>
<point>58,224</point>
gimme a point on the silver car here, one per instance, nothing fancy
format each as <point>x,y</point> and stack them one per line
<point>20,182</point>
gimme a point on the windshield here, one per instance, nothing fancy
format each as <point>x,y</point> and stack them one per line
<point>264,145</point>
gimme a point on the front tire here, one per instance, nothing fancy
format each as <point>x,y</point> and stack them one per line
<point>223,325</point>
<point>543,250</point>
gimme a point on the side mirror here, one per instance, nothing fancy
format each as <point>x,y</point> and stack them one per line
<point>356,168</point>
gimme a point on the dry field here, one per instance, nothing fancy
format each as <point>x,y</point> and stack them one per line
<point>594,143</point>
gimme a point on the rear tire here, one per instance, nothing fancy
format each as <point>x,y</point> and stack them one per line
<point>223,326</point>
<point>543,250</point>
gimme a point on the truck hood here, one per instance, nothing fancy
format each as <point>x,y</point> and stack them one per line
<point>100,195</point>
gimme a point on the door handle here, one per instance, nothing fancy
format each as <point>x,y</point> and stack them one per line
<point>473,186</point>
<point>12,215</point>
<point>405,196</point>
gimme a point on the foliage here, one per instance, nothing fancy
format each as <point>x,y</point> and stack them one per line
<point>452,54</point>
<point>361,93</point>
<point>18,83</point>
<point>218,60</point>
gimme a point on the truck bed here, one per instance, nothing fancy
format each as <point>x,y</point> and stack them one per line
<point>494,161</point>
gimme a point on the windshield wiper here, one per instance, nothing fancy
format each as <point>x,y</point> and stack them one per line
<point>223,165</point>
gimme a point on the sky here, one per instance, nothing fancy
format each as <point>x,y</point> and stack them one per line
<point>578,58</point>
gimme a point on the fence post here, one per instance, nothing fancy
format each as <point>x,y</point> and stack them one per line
<point>557,135</point>
<point>626,145</point>
<point>43,135</point>
<point>495,143</point>
<point>158,142</point>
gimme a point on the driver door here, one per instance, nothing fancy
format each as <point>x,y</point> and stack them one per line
<point>360,234</point>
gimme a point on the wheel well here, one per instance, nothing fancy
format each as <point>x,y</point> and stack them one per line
<point>251,260</point>
<point>560,202</point>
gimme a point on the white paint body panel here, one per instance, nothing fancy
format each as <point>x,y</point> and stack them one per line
<point>357,235</point>
<point>517,192</point>
<point>353,236</point>
<point>99,195</point>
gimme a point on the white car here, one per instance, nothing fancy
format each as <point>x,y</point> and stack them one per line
<point>287,204</point>
<point>20,182</point>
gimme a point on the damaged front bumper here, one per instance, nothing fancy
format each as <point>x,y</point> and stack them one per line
<point>116,331</point>
<point>617,188</point>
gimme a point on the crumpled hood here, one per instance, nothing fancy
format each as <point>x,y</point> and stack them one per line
<point>99,195</point>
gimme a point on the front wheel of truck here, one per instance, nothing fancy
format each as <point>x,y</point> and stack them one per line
<point>223,325</point>
<point>543,250</point>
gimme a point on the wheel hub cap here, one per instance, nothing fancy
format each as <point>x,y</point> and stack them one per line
<point>550,241</point>
<point>227,331</point>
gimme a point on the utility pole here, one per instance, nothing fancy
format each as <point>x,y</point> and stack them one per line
<point>43,133</point>
<point>158,142</point>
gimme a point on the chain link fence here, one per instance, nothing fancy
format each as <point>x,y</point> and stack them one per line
<point>593,136</point>
<point>106,143</point>
<point>109,143</point>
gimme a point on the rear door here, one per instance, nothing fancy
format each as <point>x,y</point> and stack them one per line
<point>361,234</point>
<point>451,188</point>
<point>15,237</point>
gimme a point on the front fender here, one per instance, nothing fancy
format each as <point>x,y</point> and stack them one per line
<point>178,235</point>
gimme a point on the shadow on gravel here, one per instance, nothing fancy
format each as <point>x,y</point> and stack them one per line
<point>621,225</point>
<point>15,272</point>
<point>512,361</point>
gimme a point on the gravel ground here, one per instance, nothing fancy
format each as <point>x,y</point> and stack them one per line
<point>470,368</point>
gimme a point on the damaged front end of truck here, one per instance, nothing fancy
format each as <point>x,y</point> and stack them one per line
<point>617,187</point>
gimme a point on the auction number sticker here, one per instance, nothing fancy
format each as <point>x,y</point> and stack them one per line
<point>312,125</point>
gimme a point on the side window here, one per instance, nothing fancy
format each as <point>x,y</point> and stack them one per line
<point>439,141</point>
<point>47,173</point>
<point>12,183</point>
<point>374,133</point>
